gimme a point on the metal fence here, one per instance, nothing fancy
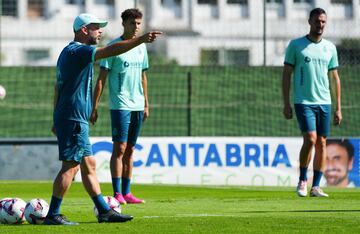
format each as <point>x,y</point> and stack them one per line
<point>216,71</point>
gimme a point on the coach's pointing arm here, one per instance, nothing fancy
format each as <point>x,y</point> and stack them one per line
<point>123,46</point>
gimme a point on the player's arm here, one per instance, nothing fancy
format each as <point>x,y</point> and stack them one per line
<point>286,78</point>
<point>335,80</point>
<point>126,45</point>
<point>144,84</point>
<point>100,83</point>
<point>56,94</point>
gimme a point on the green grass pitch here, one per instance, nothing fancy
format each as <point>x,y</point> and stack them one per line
<point>193,209</point>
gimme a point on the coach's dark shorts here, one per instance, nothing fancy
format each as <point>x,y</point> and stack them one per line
<point>126,125</point>
<point>314,118</point>
<point>73,140</point>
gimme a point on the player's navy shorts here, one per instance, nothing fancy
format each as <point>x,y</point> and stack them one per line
<point>126,125</point>
<point>314,118</point>
<point>73,140</point>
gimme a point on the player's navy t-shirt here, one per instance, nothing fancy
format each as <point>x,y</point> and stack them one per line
<point>74,82</point>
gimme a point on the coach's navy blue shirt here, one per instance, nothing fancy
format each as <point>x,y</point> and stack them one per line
<point>74,82</point>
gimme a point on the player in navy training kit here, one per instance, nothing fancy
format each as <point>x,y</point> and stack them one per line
<point>73,104</point>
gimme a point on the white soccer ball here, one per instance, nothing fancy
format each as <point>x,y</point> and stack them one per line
<point>2,203</point>
<point>36,211</point>
<point>12,211</point>
<point>2,92</point>
<point>112,202</point>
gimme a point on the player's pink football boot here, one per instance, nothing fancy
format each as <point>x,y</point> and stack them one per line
<point>129,198</point>
<point>120,198</point>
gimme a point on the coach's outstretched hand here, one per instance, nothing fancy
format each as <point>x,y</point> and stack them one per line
<point>150,36</point>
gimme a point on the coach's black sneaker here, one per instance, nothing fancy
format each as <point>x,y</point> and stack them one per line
<point>113,216</point>
<point>58,220</point>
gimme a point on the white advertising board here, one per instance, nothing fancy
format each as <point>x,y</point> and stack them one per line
<point>262,161</point>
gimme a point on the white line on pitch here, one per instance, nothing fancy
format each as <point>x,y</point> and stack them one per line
<point>188,215</point>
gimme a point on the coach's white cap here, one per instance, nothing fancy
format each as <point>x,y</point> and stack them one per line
<point>86,19</point>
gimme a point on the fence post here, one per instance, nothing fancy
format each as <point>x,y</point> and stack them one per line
<point>189,89</point>
<point>264,31</point>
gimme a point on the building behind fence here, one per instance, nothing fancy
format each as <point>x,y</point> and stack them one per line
<point>220,32</point>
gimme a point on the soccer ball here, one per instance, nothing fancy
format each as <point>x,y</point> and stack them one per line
<point>36,211</point>
<point>2,202</point>
<point>2,92</point>
<point>12,211</point>
<point>112,202</point>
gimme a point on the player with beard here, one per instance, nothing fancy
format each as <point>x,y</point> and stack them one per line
<point>339,162</point>
<point>73,106</point>
<point>313,60</point>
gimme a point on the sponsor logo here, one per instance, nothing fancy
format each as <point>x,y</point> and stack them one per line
<point>206,155</point>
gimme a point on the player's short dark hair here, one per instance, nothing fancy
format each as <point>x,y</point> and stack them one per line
<point>132,13</point>
<point>316,11</point>
<point>345,143</point>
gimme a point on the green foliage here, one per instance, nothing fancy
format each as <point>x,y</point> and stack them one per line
<point>156,59</point>
<point>192,209</point>
<point>350,43</point>
<point>349,51</point>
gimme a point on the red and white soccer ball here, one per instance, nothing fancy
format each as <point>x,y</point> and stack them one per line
<point>112,202</point>
<point>12,211</point>
<point>36,211</point>
<point>2,92</point>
